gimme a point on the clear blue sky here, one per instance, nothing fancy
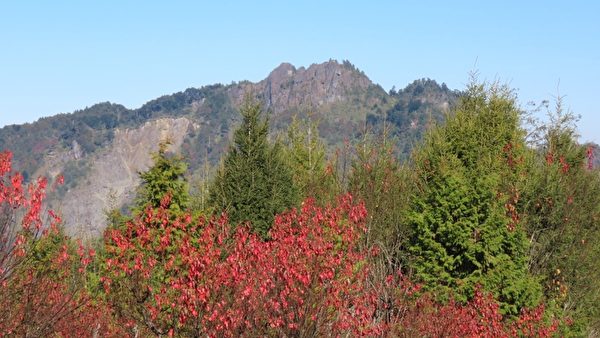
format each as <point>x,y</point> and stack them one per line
<point>59,56</point>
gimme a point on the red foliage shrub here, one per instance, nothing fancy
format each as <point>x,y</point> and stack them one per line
<point>422,317</point>
<point>311,277</point>
<point>41,280</point>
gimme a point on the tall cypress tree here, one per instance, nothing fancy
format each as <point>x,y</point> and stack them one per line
<point>254,183</point>
<point>165,177</point>
<point>378,179</point>
<point>466,231</point>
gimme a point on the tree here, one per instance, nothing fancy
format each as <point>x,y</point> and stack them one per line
<point>384,185</point>
<point>254,183</point>
<point>304,152</point>
<point>560,208</point>
<point>163,188</point>
<point>165,177</point>
<point>139,260</point>
<point>466,228</point>
<point>198,278</point>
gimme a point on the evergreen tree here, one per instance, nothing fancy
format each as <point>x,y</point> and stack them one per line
<point>304,152</point>
<point>160,204</point>
<point>561,212</point>
<point>166,176</point>
<point>254,183</point>
<point>378,179</point>
<point>466,230</point>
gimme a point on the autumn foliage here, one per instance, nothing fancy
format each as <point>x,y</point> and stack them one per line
<point>310,277</point>
<point>194,278</point>
<point>41,271</point>
<point>169,274</point>
<point>421,316</point>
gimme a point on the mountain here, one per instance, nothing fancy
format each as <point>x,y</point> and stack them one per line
<point>101,149</point>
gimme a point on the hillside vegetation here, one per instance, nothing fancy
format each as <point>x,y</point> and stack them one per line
<point>485,230</point>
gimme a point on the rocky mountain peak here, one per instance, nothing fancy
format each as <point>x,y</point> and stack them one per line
<point>317,85</point>
<point>283,70</point>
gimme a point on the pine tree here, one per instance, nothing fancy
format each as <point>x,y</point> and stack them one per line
<point>254,183</point>
<point>466,230</point>
<point>164,178</point>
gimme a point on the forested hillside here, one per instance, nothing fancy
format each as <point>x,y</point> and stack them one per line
<point>101,148</point>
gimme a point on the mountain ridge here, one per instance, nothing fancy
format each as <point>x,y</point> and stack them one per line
<point>338,95</point>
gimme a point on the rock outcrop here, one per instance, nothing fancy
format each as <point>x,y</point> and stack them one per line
<point>113,175</point>
<point>287,86</point>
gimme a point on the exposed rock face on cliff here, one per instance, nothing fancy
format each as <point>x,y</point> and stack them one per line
<point>338,95</point>
<point>316,86</point>
<point>319,84</point>
<point>113,174</point>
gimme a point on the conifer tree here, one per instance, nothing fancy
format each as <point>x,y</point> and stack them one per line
<point>378,179</point>
<point>161,199</point>
<point>561,212</point>
<point>305,154</point>
<point>254,183</point>
<point>166,176</point>
<point>466,230</point>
